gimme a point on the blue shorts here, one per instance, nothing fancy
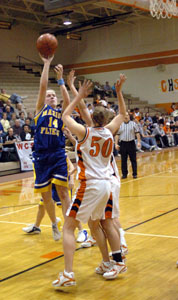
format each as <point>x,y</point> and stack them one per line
<point>50,168</point>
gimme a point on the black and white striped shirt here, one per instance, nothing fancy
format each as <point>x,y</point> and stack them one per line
<point>127,131</point>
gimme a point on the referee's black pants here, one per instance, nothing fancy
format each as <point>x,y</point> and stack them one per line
<point>128,149</point>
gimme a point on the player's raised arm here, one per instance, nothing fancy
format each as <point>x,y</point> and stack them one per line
<point>65,95</point>
<point>82,107</point>
<point>74,127</point>
<point>116,122</point>
<point>43,83</point>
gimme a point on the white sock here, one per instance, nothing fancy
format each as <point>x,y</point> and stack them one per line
<point>69,274</point>
<point>122,238</point>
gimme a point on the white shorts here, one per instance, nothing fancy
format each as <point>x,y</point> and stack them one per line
<point>90,200</point>
<point>112,207</point>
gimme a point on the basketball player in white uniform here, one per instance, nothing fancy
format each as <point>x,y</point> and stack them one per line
<point>112,209</point>
<point>94,154</point>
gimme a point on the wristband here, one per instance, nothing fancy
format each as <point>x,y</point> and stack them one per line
<point>60,81</point>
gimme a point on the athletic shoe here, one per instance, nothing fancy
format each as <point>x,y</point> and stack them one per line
<point>118,267</point>
<point>124,250</point>
<point>152,148</point>
<point>56,233</point>
<point>157,148</point>
<point>177,264</point>
<point>104,267</point>
<point>32,229</point>
<point>89,243</point>
<point>59,222</point>
<point>82,236</point>
<point>64,280</point>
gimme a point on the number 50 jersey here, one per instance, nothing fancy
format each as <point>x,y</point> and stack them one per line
<point>48,130</point>
<point>94,154</point>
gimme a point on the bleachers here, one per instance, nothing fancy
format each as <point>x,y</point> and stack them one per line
<point>26,84</point>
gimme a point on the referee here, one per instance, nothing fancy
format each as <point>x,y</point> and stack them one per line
<point>126,134</point>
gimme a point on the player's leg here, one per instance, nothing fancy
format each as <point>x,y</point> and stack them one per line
<point>63,194</point>
<point>35,228</point>
<point>67,277</point>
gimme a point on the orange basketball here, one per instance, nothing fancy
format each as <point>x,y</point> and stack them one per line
<point>47,44</point>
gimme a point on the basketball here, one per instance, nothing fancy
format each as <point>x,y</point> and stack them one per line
<point>46,45</point>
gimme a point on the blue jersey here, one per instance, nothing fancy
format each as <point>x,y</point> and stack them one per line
<point>48,130</point>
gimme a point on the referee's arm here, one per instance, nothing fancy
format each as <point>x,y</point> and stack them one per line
<point>138,139</point>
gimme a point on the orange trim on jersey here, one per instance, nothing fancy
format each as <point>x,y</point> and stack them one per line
<point>108,213</point>
<point>78,199</point>
<point>81,165</point>
<point>85,137</point>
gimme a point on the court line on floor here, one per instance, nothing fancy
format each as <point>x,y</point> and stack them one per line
<point>39,265</point>
<point>34,267</point>
<point>162,195</point>
<point>153,235</point>
<point>143,177</point>
<point>20,205</point>
<point>16,211</point>
<point>151,219</point>
<point>18,223</point>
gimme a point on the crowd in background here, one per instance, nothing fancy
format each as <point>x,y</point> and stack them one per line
<point>16,124</point>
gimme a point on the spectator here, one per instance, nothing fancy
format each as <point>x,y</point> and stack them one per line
<point>149,125</point>
<point>103,103</point>
<point>161,119</point>
<point>10,104</point>
<point>14,97</point>
<point>13,118</point>
<point>147,117</point>
<point>109,107</point>
<point>137,114</point>
<point>5,123</point>
<point>30,116</point>
<point>26,133</point>
<point>17,129</point>
<point>107,89</point>
<point>22,118</point>
<point>20,109</point>
<point>3,96</point>
<point>7,110</point>
<point>160,135</point>
<point>169,134</point>
<point>9,152</point>
<point>97,89</point>
<point>90,108</point>
<point>148,138</point>
<point>114,90</point>
<point>156,118</point>
<point>175,132</point>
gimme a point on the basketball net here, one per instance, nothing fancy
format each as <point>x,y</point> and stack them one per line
<point>163,8</point>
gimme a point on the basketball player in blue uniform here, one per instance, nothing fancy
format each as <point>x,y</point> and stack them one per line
<point>49,156</point>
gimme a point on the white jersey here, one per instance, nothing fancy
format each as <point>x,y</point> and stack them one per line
<point>94,154</point>
<point>113,168</point>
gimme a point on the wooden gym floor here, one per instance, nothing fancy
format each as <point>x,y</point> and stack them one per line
<point>149,215</point>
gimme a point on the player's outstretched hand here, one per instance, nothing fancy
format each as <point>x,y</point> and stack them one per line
<point>85,89</point>
<point>71,78</point>
<point>120,82</point>
<point>59,71</point>
<point>48,59</point>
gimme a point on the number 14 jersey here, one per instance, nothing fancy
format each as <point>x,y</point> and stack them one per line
<point>94,154</point>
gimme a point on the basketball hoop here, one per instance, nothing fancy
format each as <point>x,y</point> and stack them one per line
<point>163,8</point>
